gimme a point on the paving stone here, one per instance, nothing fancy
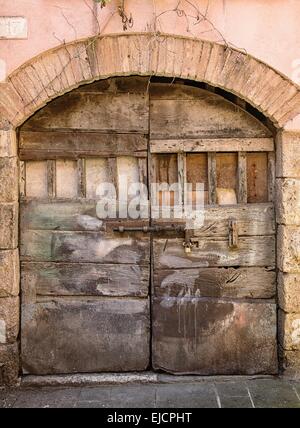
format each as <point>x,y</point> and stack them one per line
<point>186,396</point>
<point>273,394</point>
<point>142,396</point>
<point>236,403</point>
<point>232,389</point>
<point>47,398</point>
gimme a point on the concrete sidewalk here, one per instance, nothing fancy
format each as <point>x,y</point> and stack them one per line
<point>233,393</point>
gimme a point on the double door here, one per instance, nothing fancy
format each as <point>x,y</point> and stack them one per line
<point>113,283</point>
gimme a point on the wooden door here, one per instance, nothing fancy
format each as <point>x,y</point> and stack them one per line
<point>213,292</point>
<point>85,287</point>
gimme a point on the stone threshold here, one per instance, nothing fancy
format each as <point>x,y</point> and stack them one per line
<point>81,380</point>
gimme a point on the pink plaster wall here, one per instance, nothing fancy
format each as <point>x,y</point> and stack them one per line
<point>267,29</point>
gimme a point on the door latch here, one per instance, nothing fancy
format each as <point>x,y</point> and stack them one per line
<point>233,238</point>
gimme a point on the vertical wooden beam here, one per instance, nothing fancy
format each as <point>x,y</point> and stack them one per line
<point>271,176</point>
<point>242,178</point>
<point>112,173</point>
<point>22,179</point>
<point>51,178</point>
<point>81,171</point>
<point>143,170</point>
<point>181,164</point>
<point>212,178</point>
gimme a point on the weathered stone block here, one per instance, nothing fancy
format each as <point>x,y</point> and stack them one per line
<point>9,319</point>
<point>8,179</point>
<point>288,249</point>
<point>289,331</point>
<point>9,273</point>
<point>288,154</point>
<point>288,201</point>
<point>289,292</point>
<point>8,226</point>
<point>8,144</point>
<point>9,364</point>
<point>290,363</point>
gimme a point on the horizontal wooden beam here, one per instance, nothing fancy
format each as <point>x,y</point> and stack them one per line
<point>73,145</point>
<point>213,145</point>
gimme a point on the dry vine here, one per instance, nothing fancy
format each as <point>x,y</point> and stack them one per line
<point>184,9</point>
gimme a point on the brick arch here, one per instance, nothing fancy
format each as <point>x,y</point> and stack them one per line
<point>58,71</point>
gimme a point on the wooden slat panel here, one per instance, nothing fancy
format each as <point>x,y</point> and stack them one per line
<point>79,279</point>
<point>197,171</point>
<point>96,174</point>
<point>212,179</point>
<point>226,178</point>
<point>84,335</point>
<point>81,177</point>
<point>83,247</point>
<point>22,180</point>
<point>252,283</point>
<point>182,178</point>
<point>252,251</point>
<point>242,178</point>
<point>213,145</point>
<point>257,177</point>
<point>66,179</point>
<point>51,178</point>
<point>214,337</point>
<point>73,144</point>
<point>36,179</point>
<point>206,115</point>
<point>117,113</point>
<point>271,177</point>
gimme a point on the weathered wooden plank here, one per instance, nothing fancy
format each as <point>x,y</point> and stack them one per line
<point>182,178</point>
<point>252,251</point>
<point>212,179</point>
<point>84,247</point>
<point>271,177</point>
<point>143,171</point>
<point>117,113</point>
<point>51,178</point>
<point>127,84</point>
<point>81,174</point>
<point>84,335</point>
<point>242,178</point>
<point>212,145</point>
<point>209,337</point>
<point>78,215</point>
<point>96,174</point>
<point>67,179</point>
<point>239,283</point>
<point>22,179</point>
<point>257,177</point>
<point>74,144</point>
<point>206,115</point>
<point>36,179</point>
<point>197,173</point>
<point>79,279</point>
<point>112,173</point>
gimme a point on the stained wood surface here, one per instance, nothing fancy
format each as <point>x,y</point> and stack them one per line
<point>82,335</point>
<point>214,337</point>
<point>257,177</point>
<point>212,145</point>
<point>96,247</point>
<point>252,251</point>
<point>73,144</point>
<point>182,112</point>
<point>239,283</point>
<point>80,279</point>
<point>119,113</point>
<point>82,216</point>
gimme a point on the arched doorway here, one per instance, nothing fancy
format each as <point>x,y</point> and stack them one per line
<point>130,294</point>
